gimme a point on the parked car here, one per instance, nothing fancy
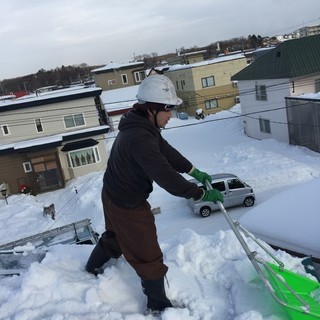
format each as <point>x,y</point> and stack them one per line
<point>235,192</point>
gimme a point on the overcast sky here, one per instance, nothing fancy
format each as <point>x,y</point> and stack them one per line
<point>46,34</point>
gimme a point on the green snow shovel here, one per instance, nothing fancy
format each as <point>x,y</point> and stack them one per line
<point>298,295</point>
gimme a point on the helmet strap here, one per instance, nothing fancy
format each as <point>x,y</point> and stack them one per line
<point>154,113</point>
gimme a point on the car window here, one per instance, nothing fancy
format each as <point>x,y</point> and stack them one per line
<point>235,184</point>
<point>219,186</point>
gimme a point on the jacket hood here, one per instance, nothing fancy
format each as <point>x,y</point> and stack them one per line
<point>132,119</point>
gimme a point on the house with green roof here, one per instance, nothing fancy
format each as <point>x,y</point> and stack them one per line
<point>289,70</point>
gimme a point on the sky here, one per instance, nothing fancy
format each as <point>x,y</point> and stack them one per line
<point>209,272</point>
<point>38,34</point>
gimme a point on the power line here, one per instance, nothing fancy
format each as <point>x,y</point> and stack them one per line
<point>271,88</point>
<point>93,113</point>
<point>295,26</point>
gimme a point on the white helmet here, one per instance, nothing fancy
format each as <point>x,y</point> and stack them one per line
<point>159,89</point>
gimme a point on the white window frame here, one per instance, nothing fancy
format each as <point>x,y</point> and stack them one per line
<point>27,167</point>
<point>264,125</point>
<point>211,104</point>
<point>74,121</point>
<point>139,76</point>
<point>124,78</point>
<point>208,82</point>
<point>5,130</point>
<point>71,157</point>
<point>261,92</point>
<point>38,125</point>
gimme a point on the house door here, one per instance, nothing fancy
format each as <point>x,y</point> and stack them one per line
<point>47,171</point>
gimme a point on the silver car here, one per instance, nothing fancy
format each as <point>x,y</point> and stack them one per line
<point>235,192</point>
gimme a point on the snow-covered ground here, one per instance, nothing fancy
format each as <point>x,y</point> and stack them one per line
<point>208,270</point>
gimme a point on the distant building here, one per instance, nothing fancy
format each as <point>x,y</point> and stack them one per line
<point>187,58</point>
<point>8,97</point>
<point>207,85</point>
<point>253,55</point>
<point>119,75</point>
<point>309,31</point>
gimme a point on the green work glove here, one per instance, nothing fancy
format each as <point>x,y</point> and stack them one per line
<point>199,175</point>
<point>212,195</point>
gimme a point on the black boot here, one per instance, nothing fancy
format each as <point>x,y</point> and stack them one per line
<point>97,259</point>
<point>155,292</point>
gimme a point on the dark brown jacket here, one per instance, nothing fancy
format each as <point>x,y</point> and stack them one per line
<point>139,156</point>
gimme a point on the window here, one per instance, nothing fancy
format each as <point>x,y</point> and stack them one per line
<point>27,167</point>
<point>208,82</point>
<point>219,186</point>
<point>38,125</point>
<point>75,120</point>
<point>124,78</point>
<point>83,157</point>
<point>261,92</point>
<point>211,104</point>
<point>264,125</point>
<point>235,184</point>
<point>139,76</point>
<point>5,130</point>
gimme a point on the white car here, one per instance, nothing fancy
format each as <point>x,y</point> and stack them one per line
<point>235,192</point>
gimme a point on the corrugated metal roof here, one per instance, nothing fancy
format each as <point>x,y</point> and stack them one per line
<point>290,59</point>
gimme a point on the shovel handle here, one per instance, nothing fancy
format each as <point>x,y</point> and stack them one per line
<point>231,223</point>
<point>209,187</point>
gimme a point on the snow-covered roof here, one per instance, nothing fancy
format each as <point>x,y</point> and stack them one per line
<point>119,99</point>
<point>207,62</point>
<point>7,97</point>
<point>288,221</point>
<point>59,93</point>
<point>57,138</point>
<point>314,96</point>
<point>112,65</point>
<point>193,53</point>
<point>49,94</point>
<point>50,97</point>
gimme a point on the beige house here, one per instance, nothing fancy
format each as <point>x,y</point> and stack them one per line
<point>51,137</point>
<point>207,85</point>
<point>119,75</point>
<point>187,58</point>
